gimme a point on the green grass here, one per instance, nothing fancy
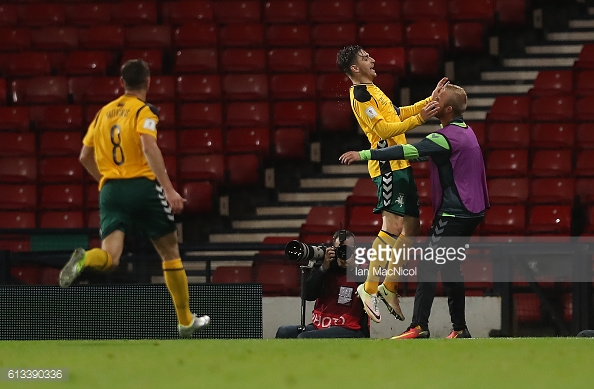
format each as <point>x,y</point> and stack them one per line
<point>328,364</point>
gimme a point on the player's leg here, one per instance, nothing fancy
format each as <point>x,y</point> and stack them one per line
<point>331,332</point>
<point>292,331</point>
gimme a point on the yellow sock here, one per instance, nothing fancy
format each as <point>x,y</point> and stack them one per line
<point>177,283</point>
<point>391,281</point>
<point>386,240</point>
<point>98,259</point>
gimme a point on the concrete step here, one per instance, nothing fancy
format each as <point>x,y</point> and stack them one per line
<point>267,224</point>
<point>472,115</point>
<point>283,210</point>
<point>480,101</point>
<point>244,237</point>
<point>328,182</point>
<point>581,24</point>
<point>526,75</point>
<point>560,62</point>
<point>359,169</point>
<point>497,89</point>
<point>573,36</point>
<point>314,197</point>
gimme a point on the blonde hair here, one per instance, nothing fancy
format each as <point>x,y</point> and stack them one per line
<point>457,99</point>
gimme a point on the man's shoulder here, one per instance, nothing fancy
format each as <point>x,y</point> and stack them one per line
<point>361,93</point>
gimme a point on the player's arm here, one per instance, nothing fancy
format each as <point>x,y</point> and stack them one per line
<point>415,109</point>
<point>87,159</point>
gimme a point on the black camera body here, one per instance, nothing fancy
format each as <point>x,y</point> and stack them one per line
<point>298,251</point>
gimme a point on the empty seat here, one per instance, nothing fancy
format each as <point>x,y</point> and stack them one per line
<point>553,135</point>
<point>278,279</point>
<point>243,60</point>
<point>584,108</point>
<point>92,196</point>
<point>424,190</point>
<point>426,215</point>
<point>55,38</point>
<point>425,9</point>
<point>370,11</point>
<point>584,190</point>
<point>505,220</point>
<point>584,82</point>
<point>550,219</point>
<point>18,144</point>
<point>237,11</point>
<point>527,308</point>
<point>60,169</point>
<point>508,190</point>
<point>428,33</point>
<point>552,191</point>
<point>333,86</point>
<point>101,37</point>
<point>15,119</point>
<point>100,90</point>
<point>195,35</point>
<point>166,115</point>
<point>9,15</point>
<point>232,275</point>
<point>42,14</point>
<point>40,90</point>
<point>338,11</point>
<point>425,61</point>
<point>171,167</point>
<point>511,12</point>
<point>167,141</point>
<point>252,140</point>
<point>57,117</point>
<point>23,196</point>
<point>19,244</point>
<point>584,165</point>
<point>200,115</point>
<point>162,88</point>
<point>17,219</point>
<point>381,34</point>
<point>584,135</point>
<point>28,64</point>
<point>241,35</point>
<point>325,60</point>
<point>468,37</point>
<point>60,143</point>
<point>243,169</point>
<point>508,135</point>
<point>388,83</point>
<point>195,61</point>
<point>336,116</point>
<point>293,86</point>
<point>289,143</point>
<point>18,169</point>
<point>207,141</point>
<point>421,169</point>
<point>390,60</point>
<point>88,14</point>
<point>364,193</point>
<point>62,196</point>
<point>148,37</point>
<point>333,34</point>
<point>552,82</point>
<point>556,163</point>
<point>15,39</point>
<point>194,87</point>
<point>203,167</point>
<point>552,108</point>
<point>325,218</point>
<point>510,108</point>
<point>87,63</point>
<point>199,196</point>
<point>290,60</point>
<point>183,12</point>
<point>134,12</point>
<point>471,10</point>
<point>294,11</point>
<point>295,113</point>
<point>362,221</point>
<point>61,219</point>
<point>510,163</point>
<point>280,35</point>
<point>247,114</point>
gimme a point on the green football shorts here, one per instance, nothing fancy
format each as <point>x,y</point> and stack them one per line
<point>397,193</point>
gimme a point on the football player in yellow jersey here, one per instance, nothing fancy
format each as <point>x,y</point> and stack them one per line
<point>398,201</point>
<point>120,151</point>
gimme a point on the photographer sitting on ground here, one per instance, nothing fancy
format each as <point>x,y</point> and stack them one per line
<point>338,312</point>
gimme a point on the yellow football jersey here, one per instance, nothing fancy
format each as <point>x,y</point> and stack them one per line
<point>115,135</point>
<point>383,123</point>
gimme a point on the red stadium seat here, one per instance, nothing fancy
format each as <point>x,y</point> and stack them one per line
<point>295,113</point>
<point>388,83</point>
<point>60,169</point>
<point>241,35</point>
<point>28,64</point>
<point>9,15</point>
<point>134,12</point>
<point>511,12</point>
<point>167,141</point>
<point>208,141</point>
<point>510,108</point>
<point>154,59</point>
<point>166,115</point>
<point>148,37</point>
<point>49,276</point>
<point>278,279</point>
<point>102,90</point>
<point>203,167</point>
<point>584,165</point>
<point>57,117</point>
<point>508,135</point>
<point>88,14</point>
<point>390,60</point>
<point>553,135</point>
<point>19,169</point>
<point>527,308</point>
<point>584,190</point>
<point>289,144</point>
<point>252,140</point>
<point>426,219</point>
<point>424,190</point>
<point>428,33</point>
<point>468,37</point>
<point>87,63</point>
<point>479,131</point>
<point>55,38</point>
<point>102,37</point>
<point>552,163</point>
<point>362,221</point>
<point>333,34</point>
<point>195,35</point>
<point>40,90</point>
<point>193,87</point>
<point>550,219</point>
<point>199,196</point>
<point>243,60</point>
<point>323,220</point>
<point>425,61</point>
<point>60,143</point>
<point>507,163</point>
<point>17,144</point>
<point>333,86</point>
<point>195,61</point>
<point>552,108</point>
<point>291,12</point>
<point>245,86</point>
<point>584,108</point>
<point>200,115</point>
<point>62,196</point>
<point>171,167</point>
<point>325,60</point>
<point>61,219</point>
<point>15,119</point>
<point>23,196</point>
<point>42,14</point>
<point>244,114</point>
<point>364,193</point>
<point>15,39</point>
<point>471,10</point>
<point>26,275</point>
<point>584,82</point>
<point>552,191</point>
<point>508,190</point>
<point>552,82</point>
<point>336,116</point>
<point>20,244</point>
<point>162,88</point>
<point>92,196</point>
<point>421,169</point>
<point>338,11</point>
<point>381,34</point>
<point>425,9</point>
<point>232,275</point>
<point>290,60</point>
<point>243,169</point>
<point>584,135</point>
<point>370,11</point>
<point>237,11</point>
<point>293,86</point>
<point>17,219</point>
<point>183,12</point>
<point>505,220</point>
<point>280,35</point>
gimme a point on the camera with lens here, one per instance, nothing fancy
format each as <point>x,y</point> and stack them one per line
<point>298,251</point>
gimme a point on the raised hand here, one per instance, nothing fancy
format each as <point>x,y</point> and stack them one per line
<point>429,110</point>
<point>440,85</point>
<point>349,157</point>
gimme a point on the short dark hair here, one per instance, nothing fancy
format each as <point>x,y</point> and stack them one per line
<point>347,57</point>
<point>135,74</point>
<point>347,234</point>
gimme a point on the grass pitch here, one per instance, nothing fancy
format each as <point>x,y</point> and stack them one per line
<point>350,363</point>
